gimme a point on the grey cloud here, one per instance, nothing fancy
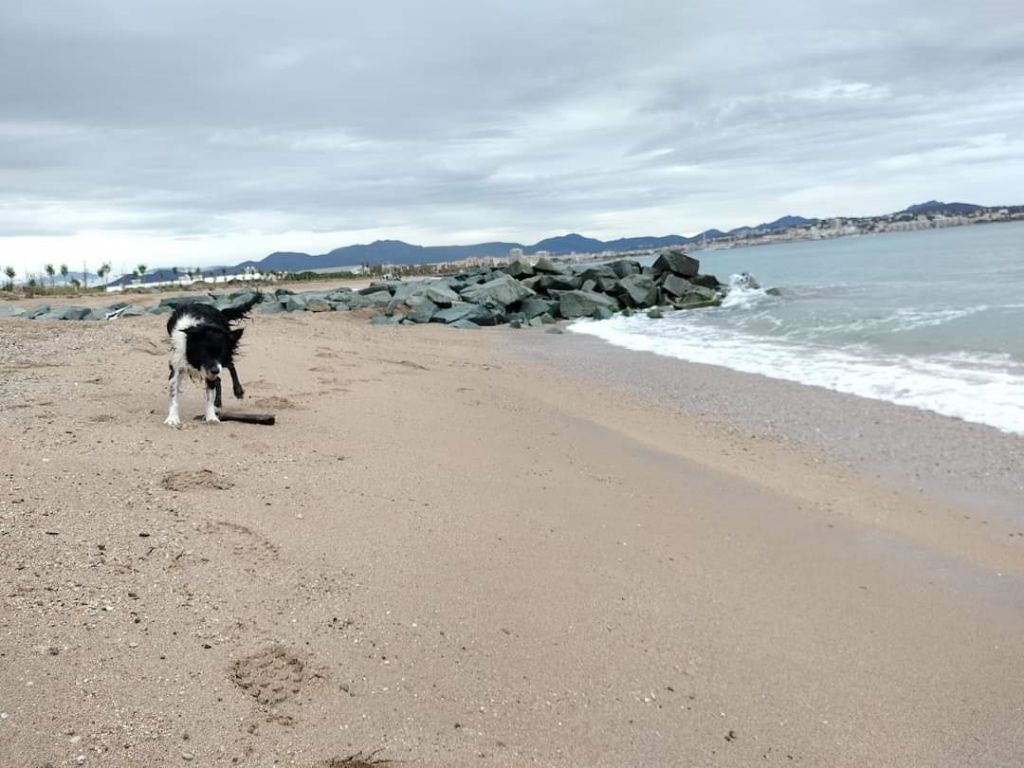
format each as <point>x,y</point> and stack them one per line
<point>533,117</point>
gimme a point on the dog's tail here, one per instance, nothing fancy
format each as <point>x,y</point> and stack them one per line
<point>241,311</point>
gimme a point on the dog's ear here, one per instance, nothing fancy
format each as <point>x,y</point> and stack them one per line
<point>236,334</point>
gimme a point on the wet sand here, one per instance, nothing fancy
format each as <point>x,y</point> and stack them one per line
<point>458,551</point>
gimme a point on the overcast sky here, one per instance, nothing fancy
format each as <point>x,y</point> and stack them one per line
<point>193,132</point>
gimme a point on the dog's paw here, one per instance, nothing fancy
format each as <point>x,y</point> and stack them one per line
<point>239,393</point>
<point>172,421</point>
<point>211,418</point>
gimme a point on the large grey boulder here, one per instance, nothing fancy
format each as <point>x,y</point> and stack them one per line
<point>624,268</point>
<point>379,298</point>
<point>678,263</point>
<point>9,310</point>
<point>695,301</point>
<point>503,291</point>
<point>674,285</point>
<point>269,308</point>
<point>641,290</point>
<point>406,290</point>
<point>441,294</point>
<point>706,281</point>
<point>375,287</point>
<point>357,301</point>
<point>67,313</point>
<point>559,283</point>
<point>318,304</point>
<point>294,302</point>
<point>238,298</point>
<point>423,312</point>
<point>483,314</point>
<point>519,270</point>
<point>134,310</point>
<point>535,307</point>
<point>37,312</point>
<point>573,304</point>
<point>544,264</point>
<point>453,314</point>
<point>705,294</point>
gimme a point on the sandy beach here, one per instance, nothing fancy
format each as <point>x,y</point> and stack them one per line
<point>493,548</point>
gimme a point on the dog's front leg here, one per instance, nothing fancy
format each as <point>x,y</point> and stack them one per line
<point>236,385</point>
<point>211,399</point>
<point>217,402</point>
<point>172,419</point>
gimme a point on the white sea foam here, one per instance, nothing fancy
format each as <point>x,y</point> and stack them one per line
<point>981,388</point>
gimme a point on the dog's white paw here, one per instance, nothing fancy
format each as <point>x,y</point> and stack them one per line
<point>172,421</point>
<point>211,419</point>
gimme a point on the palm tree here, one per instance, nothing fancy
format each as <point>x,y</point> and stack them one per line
<point>64,273</point>
<point>10,278</point>
<point>141,271</point>
<point>51,272</point>
<point>174,271</point>
<point>188,272</point>
<point>199,274</point>
<point>103,271</point>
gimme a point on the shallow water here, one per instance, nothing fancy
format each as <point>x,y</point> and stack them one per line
<point>931,320</point>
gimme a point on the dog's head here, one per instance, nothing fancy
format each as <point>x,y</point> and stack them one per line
<point>208,349</point>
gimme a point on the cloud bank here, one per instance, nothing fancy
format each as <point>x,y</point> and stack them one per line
<point>193,132</point>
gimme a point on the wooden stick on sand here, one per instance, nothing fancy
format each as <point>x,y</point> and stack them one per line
<point>266,419</point>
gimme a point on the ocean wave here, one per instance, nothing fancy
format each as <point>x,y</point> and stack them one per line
<point>895,321</point>
<point>981,388</point>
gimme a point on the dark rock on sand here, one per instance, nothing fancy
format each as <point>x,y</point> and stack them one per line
<point>574,304</point>
<point>678,263</point>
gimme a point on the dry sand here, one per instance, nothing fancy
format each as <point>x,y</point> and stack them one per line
<point>449,553</point>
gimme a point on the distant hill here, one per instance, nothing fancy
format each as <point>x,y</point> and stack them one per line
<point>935,206</point>
<point>709,234</point>
<point>399,252</point>
<point>779,225</point>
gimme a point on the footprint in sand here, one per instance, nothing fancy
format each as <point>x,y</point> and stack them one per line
<point>246,538</point>
<point>274,675</point>
<point>195,480</point>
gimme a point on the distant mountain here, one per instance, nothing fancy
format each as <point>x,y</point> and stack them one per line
<point>569,244</point>
<point>788,222</point>
<point>708,234</point>
<point>779,225</point>
<point>935,206</point>
<point>399,252</point>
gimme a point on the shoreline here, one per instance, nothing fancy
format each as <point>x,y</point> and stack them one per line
<point>462,555</point>
<point>919,450</point>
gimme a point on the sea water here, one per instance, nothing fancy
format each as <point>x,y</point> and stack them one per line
<point>931,319</point>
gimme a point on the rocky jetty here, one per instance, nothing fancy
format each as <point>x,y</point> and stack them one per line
<point>520,294</point>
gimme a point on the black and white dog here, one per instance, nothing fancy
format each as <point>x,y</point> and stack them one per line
<point>203,343</point>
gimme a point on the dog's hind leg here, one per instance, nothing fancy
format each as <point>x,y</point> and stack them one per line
<point>172,419</point>
<point>211,399</point>
<point>236,385</point>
